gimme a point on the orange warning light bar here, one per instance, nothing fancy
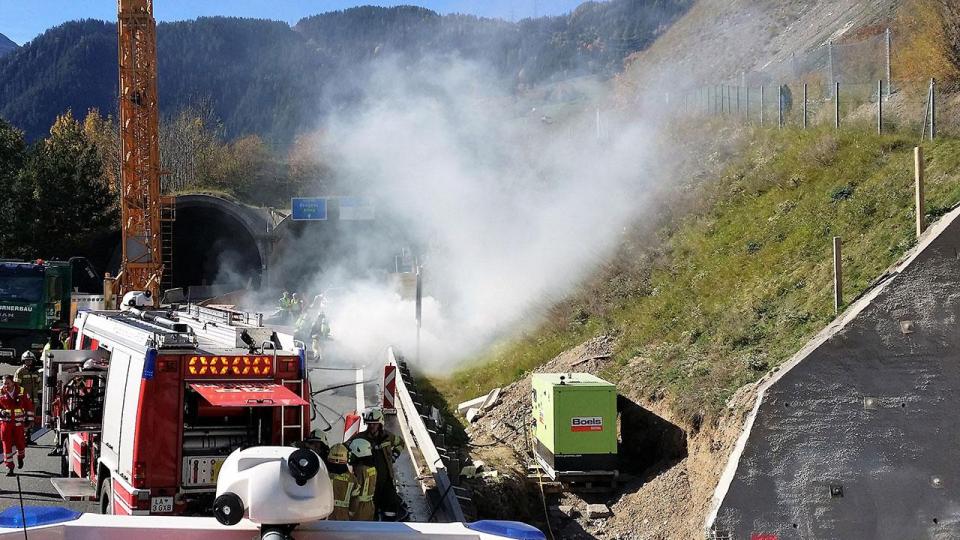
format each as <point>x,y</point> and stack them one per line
<point>230,366</point>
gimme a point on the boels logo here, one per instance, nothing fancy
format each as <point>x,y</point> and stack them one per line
<point>586,423</point>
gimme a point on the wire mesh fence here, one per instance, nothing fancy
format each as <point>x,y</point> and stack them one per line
<point>844,85</point>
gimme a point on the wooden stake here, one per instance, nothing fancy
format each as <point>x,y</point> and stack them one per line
<point>804,105</point>
<point>919,202</point>
<point>837,276</point>
<point>780,106</point>
<point>836,105</point>
<point>880,107</point>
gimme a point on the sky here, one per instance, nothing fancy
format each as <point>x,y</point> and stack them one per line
<point>23,20</point>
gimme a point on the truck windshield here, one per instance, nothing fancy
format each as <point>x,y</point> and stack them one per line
<point>21,289</point>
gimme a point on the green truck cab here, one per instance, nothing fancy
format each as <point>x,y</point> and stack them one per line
<point>34,305</point>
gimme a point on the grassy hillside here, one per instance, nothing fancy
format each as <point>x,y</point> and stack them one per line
<point>730,289</point>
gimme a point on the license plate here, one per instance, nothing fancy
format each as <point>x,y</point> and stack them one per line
<point>7,353</point>
<point>161,505</point>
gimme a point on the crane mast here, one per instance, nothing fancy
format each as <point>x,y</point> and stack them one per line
<point>142,209</point>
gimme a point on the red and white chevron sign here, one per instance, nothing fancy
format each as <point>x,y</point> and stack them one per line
<point>351,425</point>
<point>389,388</point>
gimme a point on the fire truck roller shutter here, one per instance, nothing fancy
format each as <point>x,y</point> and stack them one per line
<point>248,394</point>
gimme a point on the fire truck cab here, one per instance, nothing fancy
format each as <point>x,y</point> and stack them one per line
<point>148,404</point>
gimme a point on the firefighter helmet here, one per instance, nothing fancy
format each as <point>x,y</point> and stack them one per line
<point>28,355</point>
<point>372,415</point>
<point>361,448</point>
<point>339,454</point>
<point>317,435</point>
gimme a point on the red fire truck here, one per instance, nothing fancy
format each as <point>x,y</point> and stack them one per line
<point>149,404</point>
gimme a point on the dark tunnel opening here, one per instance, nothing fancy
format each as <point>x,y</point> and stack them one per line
<point>213,248</point>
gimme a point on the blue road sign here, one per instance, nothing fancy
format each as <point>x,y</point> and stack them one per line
<point>309,208</point>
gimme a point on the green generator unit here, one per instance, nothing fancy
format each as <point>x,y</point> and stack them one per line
<point>576,423</point>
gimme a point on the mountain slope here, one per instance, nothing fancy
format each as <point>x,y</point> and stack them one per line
<point>267,78</point>
<point>718,40</point>
<point>6,45</point>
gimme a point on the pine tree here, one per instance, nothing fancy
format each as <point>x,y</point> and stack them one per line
<point>15,199</point>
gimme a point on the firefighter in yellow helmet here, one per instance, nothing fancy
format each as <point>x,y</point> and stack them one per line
<point>361,506</point>
<point>386,449</point>
<point>345,485</point>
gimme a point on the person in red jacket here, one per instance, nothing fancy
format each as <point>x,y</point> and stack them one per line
<point>16,415</point>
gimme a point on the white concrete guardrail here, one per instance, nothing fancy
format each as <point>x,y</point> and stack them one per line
<point>433,473</point>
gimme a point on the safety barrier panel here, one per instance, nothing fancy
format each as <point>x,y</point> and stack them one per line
<point>389,388</point>
<point>416,435</point>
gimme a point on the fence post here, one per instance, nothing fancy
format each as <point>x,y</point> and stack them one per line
<point>918,171</point>
<point>804,105</point>
<point>933,108</point>
<point>836,105</point>
<point>729,100</point>
<point>746,108</point>
<point>889,82</point>
<point>761,104</point>
<point>780,106</point>
<point>837,276</point>
<point>738,100</point>
<point>880,107</point>
<point>830,61</point>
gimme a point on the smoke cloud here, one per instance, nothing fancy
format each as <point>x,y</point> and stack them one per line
<point>508,203</point>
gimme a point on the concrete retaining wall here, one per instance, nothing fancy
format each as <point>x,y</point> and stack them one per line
<point>858,435</point>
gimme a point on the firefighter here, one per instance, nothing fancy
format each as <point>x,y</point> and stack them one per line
<point>345,485</point>
<point>28,379</point>
<point>386,449</point>
<point>16,414</point>
<point>316,441</point>
<point>362,507</point>
<point>296,306</point>
<point>26,376</point>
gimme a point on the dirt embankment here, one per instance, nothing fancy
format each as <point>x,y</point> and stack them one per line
<point>666,500</point>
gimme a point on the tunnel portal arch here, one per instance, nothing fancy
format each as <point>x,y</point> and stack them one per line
<point>218,242</point>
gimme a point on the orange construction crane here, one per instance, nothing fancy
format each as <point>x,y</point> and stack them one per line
<point>142,209</point>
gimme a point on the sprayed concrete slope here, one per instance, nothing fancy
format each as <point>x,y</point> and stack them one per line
<point>858,435</point>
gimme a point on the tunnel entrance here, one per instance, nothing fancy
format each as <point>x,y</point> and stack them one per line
<point>213,248</point>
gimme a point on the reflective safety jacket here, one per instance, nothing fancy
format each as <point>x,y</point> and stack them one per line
<point>16,408</point>
<point>28,380</point>
<point>345,488</point>
<point>362,507</point>
<point>386,447</point>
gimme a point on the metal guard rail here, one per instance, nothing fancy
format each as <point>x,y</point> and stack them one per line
<point>416,435</point>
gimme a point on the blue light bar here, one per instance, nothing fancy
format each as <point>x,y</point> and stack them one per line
<point>150,363</point>
<point>36,515</point>
<point>507,529</point>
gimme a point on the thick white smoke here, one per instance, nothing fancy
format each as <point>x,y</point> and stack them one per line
<point>510,206</point>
